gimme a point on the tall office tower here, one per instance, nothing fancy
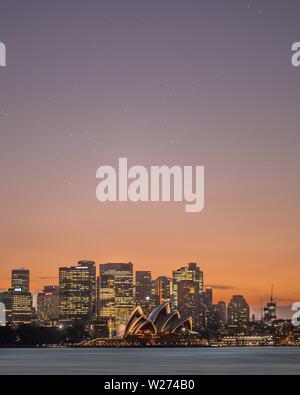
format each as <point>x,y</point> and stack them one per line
<point>21,298</point>
<point>191,272</point>
<point>221,314</point>
<point>48,306</point>
<point>21,307</point>
<point>77,293</point>
<point>161,290</point>
<point>188,299</point>
<point>116,294</point>
<point>271,310</point>
<point>143,291</point>
<point>238,312</point>
<point>203,316</point>
<point>207,309</point>
<point>217,316</point>
<point>20,279</point>
<point>93,285</point>
<point>208,297</point>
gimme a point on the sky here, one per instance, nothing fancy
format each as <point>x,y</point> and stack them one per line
<point>162,83</point>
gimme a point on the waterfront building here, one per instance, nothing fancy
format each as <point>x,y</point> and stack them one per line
<point>161,322</point>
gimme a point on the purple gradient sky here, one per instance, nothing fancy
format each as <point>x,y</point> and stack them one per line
<point>160,82</point>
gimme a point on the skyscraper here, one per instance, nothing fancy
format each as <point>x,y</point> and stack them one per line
<point>21,307</point>
<point>48,306</point>
<point>116,293</point>
<point>143,291</point>
<point>191,272</point>
<point>238,311</point>
<point>188,298</point>
<point>208,297</point>
<point>218,317</point>
<point>20,279</point>
<point>91,266</point>
<point>77,292</point>
<point>162,290</point>
<point>206,309</point>
<point>21,298</point>
<point>221,314</point>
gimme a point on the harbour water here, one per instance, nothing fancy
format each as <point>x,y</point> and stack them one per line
<point>173,361</point>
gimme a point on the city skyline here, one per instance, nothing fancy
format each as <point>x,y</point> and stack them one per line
<point>284,311</point>
<point>113,309</point>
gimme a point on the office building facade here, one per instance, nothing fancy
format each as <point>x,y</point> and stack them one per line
<point>143,291</point>
<point>48,306</point>
<point>115,294</point>
<point>238,312</point>
<point>190,273</point>
<point>77,292</point>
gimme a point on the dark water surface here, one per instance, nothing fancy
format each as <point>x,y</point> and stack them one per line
<point>185,361</point>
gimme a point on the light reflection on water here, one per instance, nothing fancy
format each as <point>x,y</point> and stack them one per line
<point>151,361</point>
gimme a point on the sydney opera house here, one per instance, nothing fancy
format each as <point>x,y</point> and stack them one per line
<point>161,322</point>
